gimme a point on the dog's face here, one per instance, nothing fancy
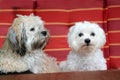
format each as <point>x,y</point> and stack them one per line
<point>86,37</point>
<point>37,35</point>
<point>27,33</point>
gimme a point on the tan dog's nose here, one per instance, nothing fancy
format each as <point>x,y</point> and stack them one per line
<point>44,33</point>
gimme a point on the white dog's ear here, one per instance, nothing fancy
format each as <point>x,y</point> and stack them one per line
<point>102,38</point>
<point>15,44</point>
<point>71,30</point>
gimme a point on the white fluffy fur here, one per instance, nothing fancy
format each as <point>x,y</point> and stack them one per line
<point>85,56</point>
<point>23,47</point>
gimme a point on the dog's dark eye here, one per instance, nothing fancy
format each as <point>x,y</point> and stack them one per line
<point>80,34</point>
<point>92,34</point>
<point>32,29</point>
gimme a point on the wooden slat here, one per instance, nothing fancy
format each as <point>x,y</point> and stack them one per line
<point>90,75</point>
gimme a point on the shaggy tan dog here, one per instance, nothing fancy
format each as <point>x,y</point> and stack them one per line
<point>23,47</point>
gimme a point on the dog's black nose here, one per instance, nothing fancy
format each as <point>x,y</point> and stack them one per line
<point>87,40</point>
<point>44,33</point>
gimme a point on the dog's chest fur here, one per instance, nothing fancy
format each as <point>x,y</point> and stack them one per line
<point>76,62</point>
<point>36,62</point>
<point>39,62</point>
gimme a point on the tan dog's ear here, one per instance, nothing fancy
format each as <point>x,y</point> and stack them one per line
<point>15,44</point>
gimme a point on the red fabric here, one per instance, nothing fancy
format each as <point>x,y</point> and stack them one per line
<point>113,22</point>
<point>17,4</point>
<point>59,15</point>
<point>69,4</point>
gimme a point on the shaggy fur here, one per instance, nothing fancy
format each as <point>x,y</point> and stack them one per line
<point>85,40</point>
<point>23,47</point>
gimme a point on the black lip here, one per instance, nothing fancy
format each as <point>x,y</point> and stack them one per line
<point>88,44</point>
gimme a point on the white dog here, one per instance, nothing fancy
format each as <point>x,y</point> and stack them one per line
<point>23,47</point>
<point>85,40</point>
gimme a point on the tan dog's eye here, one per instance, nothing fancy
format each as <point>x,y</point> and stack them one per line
<point>32,29</point>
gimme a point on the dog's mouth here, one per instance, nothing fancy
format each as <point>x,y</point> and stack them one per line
<point>86,49</point>
<point>87,45</point>
<point>39,44</point>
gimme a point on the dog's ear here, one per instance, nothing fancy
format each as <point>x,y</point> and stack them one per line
<point>23,49</point>
<point>16,45</point>
<point>12,38</point>
<point>71,30</point>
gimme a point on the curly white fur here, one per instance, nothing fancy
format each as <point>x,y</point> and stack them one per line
<point>85,40</point>
<point>23,47</point>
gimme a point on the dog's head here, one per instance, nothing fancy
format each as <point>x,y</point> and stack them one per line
<point>85,37</point>
<point>27,33</point>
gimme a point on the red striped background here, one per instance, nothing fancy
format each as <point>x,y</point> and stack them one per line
<point>59,15</point>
